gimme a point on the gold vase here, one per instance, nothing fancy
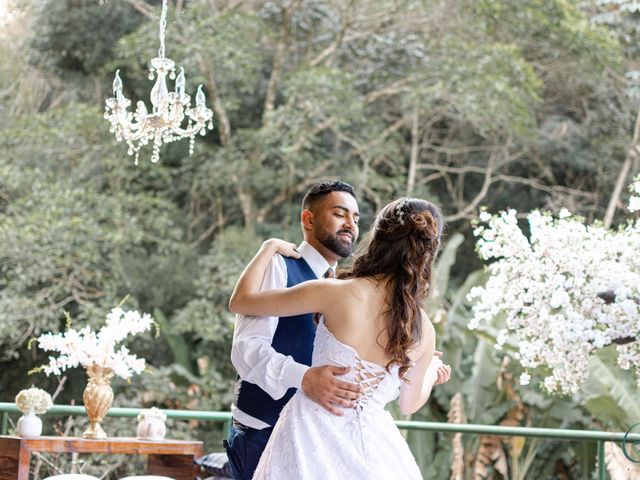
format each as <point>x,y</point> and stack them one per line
<point>97,398</point>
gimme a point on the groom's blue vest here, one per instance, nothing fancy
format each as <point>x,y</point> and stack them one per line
<point>294,336</point>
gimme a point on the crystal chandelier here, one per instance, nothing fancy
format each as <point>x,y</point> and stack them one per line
<point>163,124</point>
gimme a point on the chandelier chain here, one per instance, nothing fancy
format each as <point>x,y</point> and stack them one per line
<point>163,25</point>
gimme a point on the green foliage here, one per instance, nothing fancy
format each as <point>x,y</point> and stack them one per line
<point>490,86</point>
<point>525,95</point>
<point>206,318</point>
<point>610,394</point>
<point>178,345</point>
<point>76,241</point>
<point>556,27</point>
<point>57,39</point>
<point>620,17</point>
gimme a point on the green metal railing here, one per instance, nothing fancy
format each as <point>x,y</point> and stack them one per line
<point>551,433</point>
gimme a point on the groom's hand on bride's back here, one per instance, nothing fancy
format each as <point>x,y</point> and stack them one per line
<point>323,386</point>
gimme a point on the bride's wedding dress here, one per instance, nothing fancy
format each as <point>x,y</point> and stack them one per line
<point>309,443</point>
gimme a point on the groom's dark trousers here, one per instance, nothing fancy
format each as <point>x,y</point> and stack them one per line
<point>244,447</point>
<point>294,337</point>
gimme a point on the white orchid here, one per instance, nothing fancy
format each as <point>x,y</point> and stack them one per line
<point>566,291</point>
<point>85,347</point>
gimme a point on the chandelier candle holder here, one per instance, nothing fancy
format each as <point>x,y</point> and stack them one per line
<point>164,123</point>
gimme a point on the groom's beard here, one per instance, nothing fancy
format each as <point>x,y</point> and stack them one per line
<point>337,245</point>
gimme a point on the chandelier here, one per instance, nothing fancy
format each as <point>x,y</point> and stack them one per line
<point>164,123</point>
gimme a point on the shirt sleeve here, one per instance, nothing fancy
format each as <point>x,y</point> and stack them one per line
<point>252,355</point>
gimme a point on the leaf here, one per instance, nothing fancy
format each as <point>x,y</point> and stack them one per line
<point>423,445</point>
<point>610,394</point>
<point>517,445</point>
<point>586,454</point>
<point>459,298</point>
<point>446,260</point>
<point>176,342</point>
<point>480,389</point>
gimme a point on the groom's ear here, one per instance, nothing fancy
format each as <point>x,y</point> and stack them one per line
<point>306,219</point>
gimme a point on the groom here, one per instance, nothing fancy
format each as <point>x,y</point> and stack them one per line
<point>272,355</point>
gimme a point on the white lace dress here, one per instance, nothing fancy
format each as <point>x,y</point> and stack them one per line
<point>309,443</point>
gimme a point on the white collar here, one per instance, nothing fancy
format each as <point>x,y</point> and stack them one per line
<point>317,262</point>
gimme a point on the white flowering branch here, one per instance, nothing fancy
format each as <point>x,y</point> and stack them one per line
<point>566,290</point>
<point>85,347</point>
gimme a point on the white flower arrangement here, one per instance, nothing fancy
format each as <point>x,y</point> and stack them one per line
<point>85,347</point>
<point>565,292</point>
<point>34,399</point>
<point>153,412</point>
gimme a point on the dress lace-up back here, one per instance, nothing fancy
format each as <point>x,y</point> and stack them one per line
<point>310,443</point>
<point>367,377</point>
<point>380,387</point>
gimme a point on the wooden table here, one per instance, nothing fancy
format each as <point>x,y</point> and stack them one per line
<point>171,458</point>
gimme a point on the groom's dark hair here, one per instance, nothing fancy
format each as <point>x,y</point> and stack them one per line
<point>324,188</point>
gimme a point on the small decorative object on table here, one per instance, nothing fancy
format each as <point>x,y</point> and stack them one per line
<point>97,353</point>
<point>29,402</point>
<point>151,424</point>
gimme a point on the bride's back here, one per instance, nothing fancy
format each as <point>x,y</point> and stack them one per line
<point>355,315</point>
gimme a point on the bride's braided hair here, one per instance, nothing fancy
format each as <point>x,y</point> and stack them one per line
<point>401,245</point>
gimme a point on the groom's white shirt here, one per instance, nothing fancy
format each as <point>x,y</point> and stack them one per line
<point>252,354</point>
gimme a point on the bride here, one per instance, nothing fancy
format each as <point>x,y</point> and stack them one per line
<point>372,322</point>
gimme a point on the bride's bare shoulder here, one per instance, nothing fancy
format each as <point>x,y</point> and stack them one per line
<point>359,286</point>
<point>352,290</point>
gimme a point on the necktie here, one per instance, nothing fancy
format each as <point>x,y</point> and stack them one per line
<point>330,273</point>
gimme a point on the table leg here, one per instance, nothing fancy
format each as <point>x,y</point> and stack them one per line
<point>24,462</point>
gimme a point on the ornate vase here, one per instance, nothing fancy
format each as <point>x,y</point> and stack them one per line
<point>97,398</point>
<point>29,425</point>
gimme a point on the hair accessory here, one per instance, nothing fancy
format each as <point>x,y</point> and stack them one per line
<point>399,212</point>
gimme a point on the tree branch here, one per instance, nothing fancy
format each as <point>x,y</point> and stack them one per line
<point>533,183</point>
<point>333,51</point>
<point>313,132</point>
<point>224,127</point>
<point>415,149</point>
<point>391,89</point>
<point>278,60</point>
<point>142,7</point>
<point>473,204</point>
<point>311,178</point>
<point>632,154</point>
